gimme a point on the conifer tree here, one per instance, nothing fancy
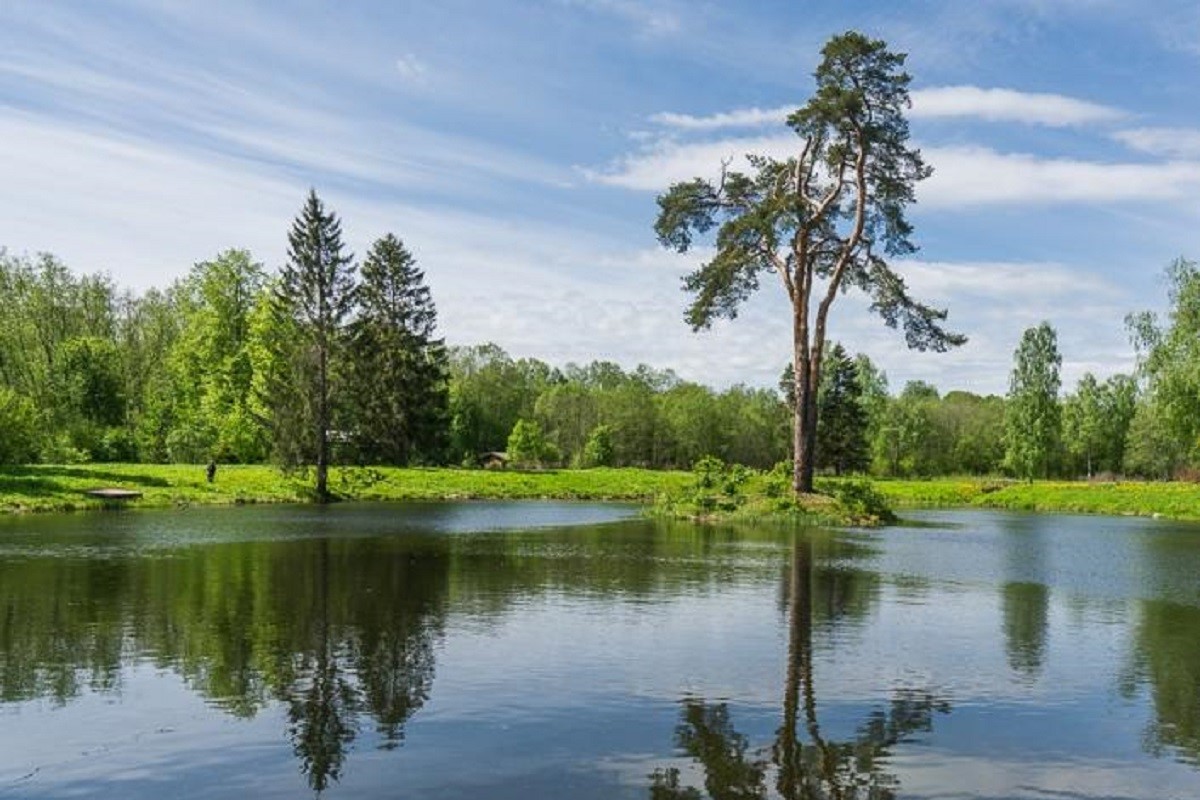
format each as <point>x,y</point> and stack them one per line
<point>316,290</point>
<point>398,368</point>
<point>841,418</point>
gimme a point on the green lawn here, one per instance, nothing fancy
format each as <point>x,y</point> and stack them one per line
<point>1130,498</point>
<point>61,488</point>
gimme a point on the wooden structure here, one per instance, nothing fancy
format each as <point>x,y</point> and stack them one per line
<point>113,494</point>
<point>493,460</point>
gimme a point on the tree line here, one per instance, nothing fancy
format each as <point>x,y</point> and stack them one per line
<point>334,361</point>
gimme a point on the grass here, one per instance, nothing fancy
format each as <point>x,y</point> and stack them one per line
<point>61,488</point>
<point>1119,498</point>
<point>755,496</point>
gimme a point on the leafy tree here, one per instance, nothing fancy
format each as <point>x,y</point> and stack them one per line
<point>210,363</point>
<point>1169,358</point>
<point>398,367</point>
<point>1083,422</point>
<point>489,392</point>
<point>568,413</point>
<point>19,428</point>
<point>1151,450</point>
<point>316,289</point>
<point>527,445</point>
<point>1033,416</point>
<point>598,452</point>
<point>825,220</point>
<point>1119,403</point>
<point>841,419</point>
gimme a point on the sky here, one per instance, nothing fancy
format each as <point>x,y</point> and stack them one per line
<point>517,148</point>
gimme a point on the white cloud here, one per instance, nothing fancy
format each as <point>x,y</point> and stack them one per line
<point>667,161</point>
<point>963,176</point>
<point>942,102</point>
<point>412,69</point>
<point>738,118</point>
<point>649,18</point>
<point>977,176</point>
<point>1182,143</point>
<point>1008,105</point>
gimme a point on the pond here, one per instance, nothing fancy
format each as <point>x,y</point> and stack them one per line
<point>524,650</point>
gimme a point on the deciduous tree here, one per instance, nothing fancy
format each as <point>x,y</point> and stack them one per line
<point>1033,416</point>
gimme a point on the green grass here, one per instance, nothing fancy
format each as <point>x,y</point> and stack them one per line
<point>1125,498</point>
<point>61,488</point>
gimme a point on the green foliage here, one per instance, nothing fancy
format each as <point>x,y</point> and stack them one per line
<point>598,451</point>
<point>1096,423</point>
<point>19,428</point>
<point>834,212</point>
<point>527,445</point>
<point>316,290</point>
<point>398,403</point>
<point>1032,417</point>
<point>860,499</point>
<point>841,418</point>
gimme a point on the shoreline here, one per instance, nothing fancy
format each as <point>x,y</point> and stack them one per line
<point>60,488</point>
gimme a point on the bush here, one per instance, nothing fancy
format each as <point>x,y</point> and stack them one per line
<point>860,499</point>
<point>18,428</point>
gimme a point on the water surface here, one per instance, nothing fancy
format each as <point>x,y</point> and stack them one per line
<point>552,650</point>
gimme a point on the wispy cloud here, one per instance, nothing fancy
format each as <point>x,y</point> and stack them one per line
<point>964,177</point>
<point>942,102</point>
<point>1181,143</point>
<point>738,118</point>
<point>648,18</point>
<point>1008,105</point>
<point>980,176</point>
<point>412,69</point>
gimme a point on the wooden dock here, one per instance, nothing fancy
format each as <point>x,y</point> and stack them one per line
<point>113,494</point>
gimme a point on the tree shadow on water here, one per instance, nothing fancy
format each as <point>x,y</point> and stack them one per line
<point>802,761</point>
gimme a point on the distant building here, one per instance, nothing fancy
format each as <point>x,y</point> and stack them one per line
<point>493,460</point>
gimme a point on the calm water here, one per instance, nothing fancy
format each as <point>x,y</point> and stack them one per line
<point>555,650</point>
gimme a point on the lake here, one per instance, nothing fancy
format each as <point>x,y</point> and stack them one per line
<point>524,650</point>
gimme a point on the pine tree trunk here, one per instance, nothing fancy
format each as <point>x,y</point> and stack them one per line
<point>804,413</point>
<point>323,424</point>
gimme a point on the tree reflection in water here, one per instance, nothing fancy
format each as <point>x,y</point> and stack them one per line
<point>805,764</point>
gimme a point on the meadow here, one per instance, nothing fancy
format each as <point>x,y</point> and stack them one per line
<point>40,488</point>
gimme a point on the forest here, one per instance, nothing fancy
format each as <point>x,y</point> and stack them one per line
<point>201,369</point>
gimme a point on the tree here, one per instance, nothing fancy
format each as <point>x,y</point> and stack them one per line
<point>1169,358</point>
<point>1032,416</point>
<point>825,220</point>
<point>316,289</point>
<point>527,445</point>
<point>1083,421</point>
<point>398,368</point>
<point>841,419</point>
<point>598,451</point>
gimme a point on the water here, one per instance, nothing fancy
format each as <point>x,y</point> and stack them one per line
<point>529,650</point>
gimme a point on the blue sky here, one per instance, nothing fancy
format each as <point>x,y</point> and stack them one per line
<point>517,148</point>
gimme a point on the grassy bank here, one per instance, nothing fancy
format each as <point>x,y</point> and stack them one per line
<point>61,488</point>
<point>1124,498</point>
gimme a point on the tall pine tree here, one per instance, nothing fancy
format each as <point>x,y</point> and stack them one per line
<point>398,368</point>
<point>317,291</point>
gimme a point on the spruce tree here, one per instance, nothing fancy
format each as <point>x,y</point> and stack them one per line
<point>841,417</point>
<point>316,289</point>
<point>398,367</point>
